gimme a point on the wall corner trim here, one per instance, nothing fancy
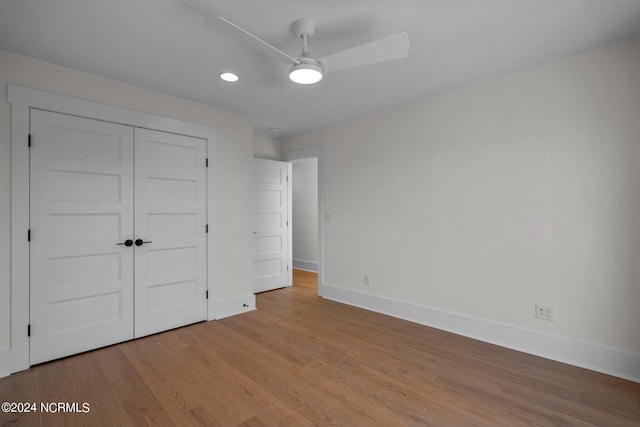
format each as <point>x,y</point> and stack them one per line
<point>594,357</point>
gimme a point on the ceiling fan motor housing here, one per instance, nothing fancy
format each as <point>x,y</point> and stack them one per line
<point>308,60</point>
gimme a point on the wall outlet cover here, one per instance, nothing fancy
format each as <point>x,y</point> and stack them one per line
<point>545,312</point>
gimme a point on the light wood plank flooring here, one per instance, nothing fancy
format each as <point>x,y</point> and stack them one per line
<point>300,360</point>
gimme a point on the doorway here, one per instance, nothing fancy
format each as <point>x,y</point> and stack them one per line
<point>308,215</point>
<point>305,219</point>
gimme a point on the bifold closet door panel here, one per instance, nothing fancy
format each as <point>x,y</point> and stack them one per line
<point>170,223</point>
<point>81,207</point>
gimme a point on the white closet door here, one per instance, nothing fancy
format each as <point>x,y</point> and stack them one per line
<point>81,206</point>
<point>170,270</point>
<point>270,225</point>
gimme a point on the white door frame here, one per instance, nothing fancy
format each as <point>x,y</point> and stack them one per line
<point>22,100</point>
<point>316,152</point>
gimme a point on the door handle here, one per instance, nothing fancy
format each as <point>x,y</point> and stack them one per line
<point>139,242</point>
<point>127,243</point>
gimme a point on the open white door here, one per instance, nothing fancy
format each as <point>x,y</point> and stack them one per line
<point>170,228</point>
<point>81,209</point>
<point>271,236</point>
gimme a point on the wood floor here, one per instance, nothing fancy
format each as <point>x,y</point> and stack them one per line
<point>300,360</point>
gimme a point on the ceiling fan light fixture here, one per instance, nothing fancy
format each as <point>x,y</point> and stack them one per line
<point>305,73</point>
<point>229,77</point>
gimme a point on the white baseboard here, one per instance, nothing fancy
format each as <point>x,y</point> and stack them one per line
<point>232,306</point>
<point>6,363</point>
<point>301,264</point>
<point>11,362</point>
<point>607,360</point>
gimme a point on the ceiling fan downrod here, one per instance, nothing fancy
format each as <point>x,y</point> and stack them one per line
<point>304,28</point>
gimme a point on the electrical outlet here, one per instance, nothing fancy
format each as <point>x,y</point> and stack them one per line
<point>367,279</point>
<point>544,312</point>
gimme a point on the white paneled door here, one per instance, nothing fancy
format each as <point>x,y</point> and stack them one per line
<point>117,233</point>
<point>271,236</point>
<point>170,226</point>
<point>81,280</point>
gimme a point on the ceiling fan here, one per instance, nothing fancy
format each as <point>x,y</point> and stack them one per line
<point>305,69</point>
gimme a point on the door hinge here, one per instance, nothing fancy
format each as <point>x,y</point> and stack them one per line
<point>287,268</point>
<point>207,294</point>
<point>206,162</point>
<point>29,141</point>
<point>29,330</point>
<point>287,178</point>
<point>28,235</point>
<point>206,228</point>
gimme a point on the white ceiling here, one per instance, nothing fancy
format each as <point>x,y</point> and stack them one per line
<point>165,45</point>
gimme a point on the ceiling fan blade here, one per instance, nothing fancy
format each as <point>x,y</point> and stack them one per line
<point>229,28</point>
<point>384,49</point>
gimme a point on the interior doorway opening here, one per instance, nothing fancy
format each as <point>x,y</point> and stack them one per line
<point>304,190</point>
<point>307,217</point>
<point>306,280</point>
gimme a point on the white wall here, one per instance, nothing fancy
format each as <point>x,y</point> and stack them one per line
<point>305,214</point>
<point>266,148</point>
<point>232,165</point>
<point>484,201</point>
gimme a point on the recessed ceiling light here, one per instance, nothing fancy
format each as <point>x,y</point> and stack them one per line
<point>229,77</point>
